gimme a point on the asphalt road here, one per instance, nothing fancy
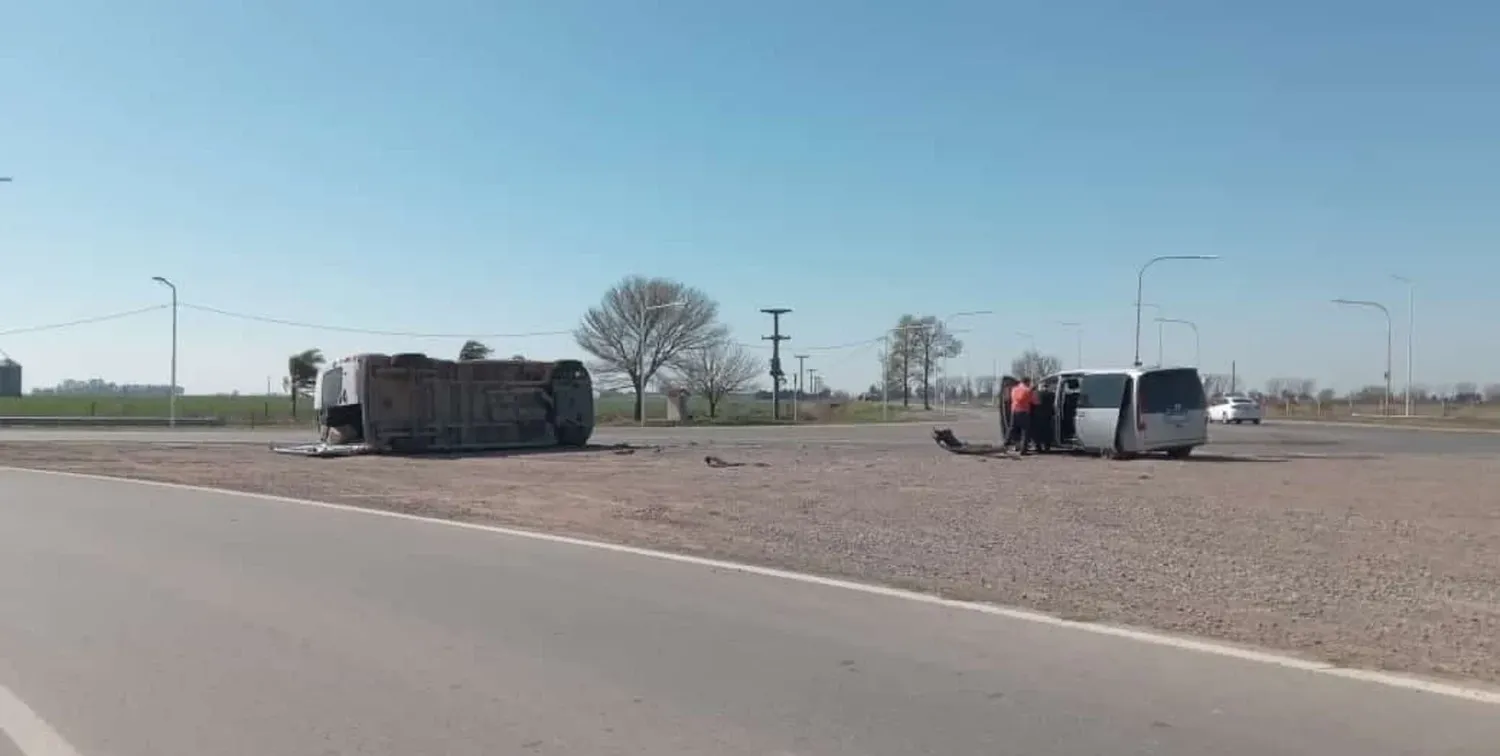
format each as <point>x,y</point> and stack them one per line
<point>1270,438</point>
<point>142,621</point>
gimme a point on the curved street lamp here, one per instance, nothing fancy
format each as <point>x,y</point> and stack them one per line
<point>1189,324</point>
<point>1385,410</point>
<point>1140,284</point>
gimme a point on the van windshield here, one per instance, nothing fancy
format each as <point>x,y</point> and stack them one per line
<point>1163,390</point>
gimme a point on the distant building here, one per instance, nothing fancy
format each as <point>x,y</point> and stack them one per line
<point>10,377</point>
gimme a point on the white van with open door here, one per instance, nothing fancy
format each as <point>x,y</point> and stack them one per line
<point>1128,411</point>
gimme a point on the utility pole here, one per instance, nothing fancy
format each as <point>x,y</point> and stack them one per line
<point>797,391</point>
<point>172,394</point>
<point>776,338</point>
<point>812,380</point>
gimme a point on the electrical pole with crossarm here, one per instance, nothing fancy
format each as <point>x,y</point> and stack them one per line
<point>776,338</point>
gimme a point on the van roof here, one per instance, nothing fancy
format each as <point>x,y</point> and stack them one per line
<point>1132,371</point>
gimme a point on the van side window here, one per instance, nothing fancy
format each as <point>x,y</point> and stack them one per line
<point>1164,390</point>
<point>1102,391</point>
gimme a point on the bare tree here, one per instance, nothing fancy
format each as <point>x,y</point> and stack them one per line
<point>933,342</point>
<point>474,350</point>
<point>1492,392</point>
<point>1215,384</point>
<point>1466,392</point>
<point>902,352</point>
<point>715,371</point>
<point>1033,364</point>
<point>1305,388</point>
<point>632,334</point>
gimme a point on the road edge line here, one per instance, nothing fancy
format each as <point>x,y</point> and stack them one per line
<point>1184,643</point>
<point>26,728</point>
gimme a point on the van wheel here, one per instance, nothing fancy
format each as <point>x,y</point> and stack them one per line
<point>1181,452</point>
<point>1255,422</point>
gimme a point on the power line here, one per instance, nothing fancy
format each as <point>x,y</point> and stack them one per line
<point>366,331</point>
<point>83,321</point>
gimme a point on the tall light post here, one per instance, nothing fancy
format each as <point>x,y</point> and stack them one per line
<point>1189,324</point>
<point>946,321</point>
<point>1140,285</point>
<point>812,379</point>
<point>1411,328</point>
<point>1385,410</point>
<point>172,389</point>
<point>1078,339</point>
<point>885,380</point>
<point>640,358</point>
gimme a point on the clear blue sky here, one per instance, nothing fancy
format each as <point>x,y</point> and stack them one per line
<point>491,167</point>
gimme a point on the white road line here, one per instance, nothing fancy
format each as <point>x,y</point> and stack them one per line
<point>1387,679</point>
<point>31,734</point>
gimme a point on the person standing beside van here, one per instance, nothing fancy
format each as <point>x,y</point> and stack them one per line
<point>1022,398</point>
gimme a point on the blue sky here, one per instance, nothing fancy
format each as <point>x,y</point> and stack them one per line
<point>492,167</point>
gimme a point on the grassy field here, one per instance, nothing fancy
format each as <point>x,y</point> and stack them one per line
<point>620,410</point>
<point>235,410</point>
<point>1426,414</point>
<point>259,411</point>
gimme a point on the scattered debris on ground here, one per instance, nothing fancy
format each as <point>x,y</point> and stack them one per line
<point>713,461</point>
<point>945,438</point>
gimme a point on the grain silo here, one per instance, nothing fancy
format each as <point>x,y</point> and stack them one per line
<point>10,377</point>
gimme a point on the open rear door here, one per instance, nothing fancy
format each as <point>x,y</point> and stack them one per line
<point>1003,399</point>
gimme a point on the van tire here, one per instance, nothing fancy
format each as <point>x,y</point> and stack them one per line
<point>1255,422</point>
<point>1180,452</point>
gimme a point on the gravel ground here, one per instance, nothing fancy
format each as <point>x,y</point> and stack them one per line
<point>1375,562</point>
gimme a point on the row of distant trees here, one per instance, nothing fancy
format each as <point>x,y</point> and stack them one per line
<point>1306,390</point>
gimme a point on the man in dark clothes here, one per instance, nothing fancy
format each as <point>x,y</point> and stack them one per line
<point>1042,413</point>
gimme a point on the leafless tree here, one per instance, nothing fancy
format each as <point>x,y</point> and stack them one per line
<point>1216,384</point>
<point>632,335</point>
<point>1033,364</point>
<point>1492,392</point>
<point>984,385</point>
<point>933,343</point>
<point>715,371</point>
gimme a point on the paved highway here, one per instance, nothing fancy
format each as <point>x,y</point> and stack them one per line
<point>1285,438</point>
<point>145,621</point>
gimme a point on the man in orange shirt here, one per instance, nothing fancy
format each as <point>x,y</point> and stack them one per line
<point>1022,398</point>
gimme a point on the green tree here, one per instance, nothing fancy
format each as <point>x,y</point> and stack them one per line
<point>302,373</point>
<point>474,350</point>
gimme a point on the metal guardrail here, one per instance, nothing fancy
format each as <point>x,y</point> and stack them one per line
<point>89,421</point>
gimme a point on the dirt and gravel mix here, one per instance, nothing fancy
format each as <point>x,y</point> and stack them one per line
<point>1375,562</point>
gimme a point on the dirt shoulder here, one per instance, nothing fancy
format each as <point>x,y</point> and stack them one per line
<point>1389,562</point>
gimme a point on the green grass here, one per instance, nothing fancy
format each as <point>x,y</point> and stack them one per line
<point>234,410</point>
<point>276,410</point>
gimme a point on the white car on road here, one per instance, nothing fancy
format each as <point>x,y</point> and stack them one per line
<point>1234,409</point>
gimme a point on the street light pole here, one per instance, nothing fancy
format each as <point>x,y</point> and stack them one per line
<point>1140,285</point>
<point>950,318</point>
<point>1190,324</point>
<point>172,389</point>
<point>1411,329</point>
<point>1078,336</point>
<point>1386,410</point>
<point>640,358</point>
<point>797,390</point>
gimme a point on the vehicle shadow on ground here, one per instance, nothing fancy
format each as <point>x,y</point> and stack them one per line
<point>1218,458</point>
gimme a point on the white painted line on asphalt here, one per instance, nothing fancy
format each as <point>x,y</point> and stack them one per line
<point>31,734</point>
<point>1387,679</point>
